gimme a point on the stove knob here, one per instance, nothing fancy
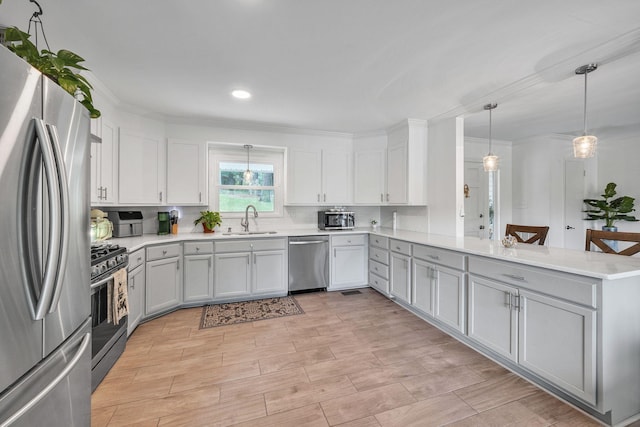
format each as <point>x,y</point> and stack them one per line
<point>102,267</point>
<point>95,271</point>
<point>112,263</point>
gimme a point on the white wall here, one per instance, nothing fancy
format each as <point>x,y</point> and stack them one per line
<point>445,170</point>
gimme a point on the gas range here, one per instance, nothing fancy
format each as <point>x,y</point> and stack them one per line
<point>106,258</point>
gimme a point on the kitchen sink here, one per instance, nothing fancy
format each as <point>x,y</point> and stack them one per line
<point>248,233</point>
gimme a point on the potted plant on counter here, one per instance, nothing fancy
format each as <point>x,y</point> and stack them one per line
<point>608,210</point>
<point>209,220</point>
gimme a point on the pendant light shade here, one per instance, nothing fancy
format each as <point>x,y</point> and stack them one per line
<point>490,161</point>
<point>585,146</point>
<point>248,175</point>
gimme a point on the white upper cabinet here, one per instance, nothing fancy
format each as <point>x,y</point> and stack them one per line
<point>142,161</point>
<point>369,176</point>
<point>103,162</point>
<point>317,177</point>
<point>406,163</point>
<point>186,172</point>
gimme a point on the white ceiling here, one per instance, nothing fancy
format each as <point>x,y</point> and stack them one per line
<point>358,65</point>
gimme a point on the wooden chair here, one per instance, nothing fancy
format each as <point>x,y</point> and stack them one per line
<point>598,237</point>
<point>539,233</point>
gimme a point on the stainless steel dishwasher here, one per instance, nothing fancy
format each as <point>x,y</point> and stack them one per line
<point>308,263</point>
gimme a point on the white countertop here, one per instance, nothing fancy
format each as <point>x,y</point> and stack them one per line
<point>591,264</point>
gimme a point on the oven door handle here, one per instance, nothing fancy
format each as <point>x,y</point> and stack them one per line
<point>107,279</point>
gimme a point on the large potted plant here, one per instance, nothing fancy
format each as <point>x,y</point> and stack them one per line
<point>609,209</point>
<point>209,220</point>
<point>57,66</point>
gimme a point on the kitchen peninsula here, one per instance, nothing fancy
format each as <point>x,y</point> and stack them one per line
<point>563,319</point>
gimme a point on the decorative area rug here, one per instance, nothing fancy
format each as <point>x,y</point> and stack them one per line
<point>248,311</point>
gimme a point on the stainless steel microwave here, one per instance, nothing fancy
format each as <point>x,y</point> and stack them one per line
<point>336,220</point>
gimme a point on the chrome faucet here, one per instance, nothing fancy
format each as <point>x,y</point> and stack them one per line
<point>244,223</point>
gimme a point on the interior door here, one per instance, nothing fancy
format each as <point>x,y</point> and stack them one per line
<point>574,180</point>
<point>475,202</point>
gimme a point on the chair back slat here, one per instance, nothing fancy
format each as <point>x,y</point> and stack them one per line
<point>539,233</point>
<point>599,239</point>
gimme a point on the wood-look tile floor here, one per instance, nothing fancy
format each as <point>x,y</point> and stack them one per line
<point>350,360</point>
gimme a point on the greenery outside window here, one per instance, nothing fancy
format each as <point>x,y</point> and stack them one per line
<point>231,194</point>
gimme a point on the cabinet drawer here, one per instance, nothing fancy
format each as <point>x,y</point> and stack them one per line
<point>400,247</point>
<point>164,251</point>
<point>440,256</point>
<point>251,245</point>
<point>196,248</point>
<point>136,259</point>
<point>379,241</point>
<point>350,240</point>
<point>380,255</point>
<point>378,282</point>
<point>379,269</point>
<point>579,289</point>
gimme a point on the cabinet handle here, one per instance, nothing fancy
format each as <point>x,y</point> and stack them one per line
<point>209,261</point>
<point>161,196</point>
<point>178,265</point>
<point>381,197</point>
<point>105,193</point>
<point>398,248</point>
<point>377,256</point>
<point>335,253</point>
<point>139,259</point>
<point>254,259</point>
<point>248,260</point>
<point>200,197</point>
<point>197,248</point>
<point>508,302</point>
<point>164,252</point>
<point>387,197</point>
<point>132,281</point>
<point>436,257</point>
<point>517,303</point>
<point>325,197</point>
<point>318,197</point>
<point>515,277</point>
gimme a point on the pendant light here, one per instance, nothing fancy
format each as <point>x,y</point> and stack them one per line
<point>585,146</point>
<point>248,175</point>
<point>490,161</point>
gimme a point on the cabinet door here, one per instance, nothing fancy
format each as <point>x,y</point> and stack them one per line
<point>108,164</point>
<point>186,173</point>
<point>348,266</point>
<point>400,276</point>
<point>136,284</point>
<point>450,297</point>
<point>232,274</point>
<point>370,177</point>
<point>304,180</point>
<point>162,285</point>
<point>141,164</point>
<point>558,343</point>
<point>269,272</point>
<point>422,280</point>
<point>336,177</point>
<point>493,320</point>
<point>198,278</point>
<point>397,178</point>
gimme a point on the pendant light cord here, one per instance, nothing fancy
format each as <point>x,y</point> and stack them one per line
<point>584,132</point>
<point>490,130</point>
<point>35,19</point>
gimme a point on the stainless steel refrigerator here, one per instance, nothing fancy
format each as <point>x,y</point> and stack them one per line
<point>45,333</point>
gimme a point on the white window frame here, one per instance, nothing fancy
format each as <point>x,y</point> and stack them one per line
<point>237,153</point>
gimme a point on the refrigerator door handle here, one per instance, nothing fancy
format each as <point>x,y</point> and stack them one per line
<point>61,376</point>
<point>53,250</point>
<point>64,216</point>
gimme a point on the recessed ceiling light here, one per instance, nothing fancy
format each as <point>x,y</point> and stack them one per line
<point>241,94</point>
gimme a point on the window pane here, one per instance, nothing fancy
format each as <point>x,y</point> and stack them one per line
<point>236,200</point>
<point>232,173</point>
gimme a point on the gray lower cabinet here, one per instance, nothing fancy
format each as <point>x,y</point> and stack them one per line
<point>545,334</point>
<point>198,272</point>
<point>400,270</point>
<point>439,285</point>
<point>163,278</point>
<point>250,267</point>
<point>136,285</point>
<point>348,261</point>
<point>379,263</point>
